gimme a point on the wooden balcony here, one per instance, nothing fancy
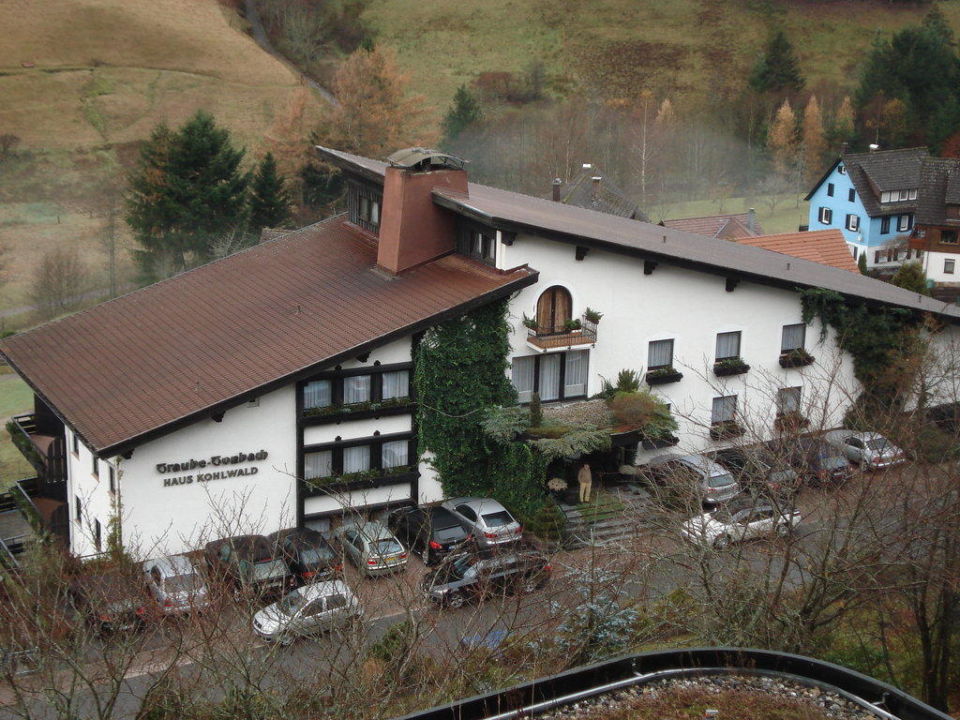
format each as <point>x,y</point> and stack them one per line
<point>583,332</point>
<point>45,451</point>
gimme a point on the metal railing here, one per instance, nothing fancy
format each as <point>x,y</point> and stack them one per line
<point>584,334</point>
<point>537,696</point>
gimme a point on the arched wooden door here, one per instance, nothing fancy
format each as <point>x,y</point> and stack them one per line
<point>553,310</point>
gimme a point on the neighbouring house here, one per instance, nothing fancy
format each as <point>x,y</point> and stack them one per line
<point>726,227</point>
<point>273,387</point>
<point>872,198</point>
<point>935,233</point>
<point>589,189</point>
<point>827,247</point>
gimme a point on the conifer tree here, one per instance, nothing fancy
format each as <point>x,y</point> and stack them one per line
<point>464,112</point>
<point>777,68</point>
<point>910,276</point>
<point>187,191</point>
<point>269,204</point>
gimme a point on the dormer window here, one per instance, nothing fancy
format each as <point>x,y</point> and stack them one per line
<point>477,242</point>
<point>889,196</point>
<point>364,203</point>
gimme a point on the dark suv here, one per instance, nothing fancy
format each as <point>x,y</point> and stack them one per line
<point>818,461</point>
<point>430,532</point>
<point>250,564</point>
<point>308,554</point>
<point>760,470</point>
<point>477,574</point>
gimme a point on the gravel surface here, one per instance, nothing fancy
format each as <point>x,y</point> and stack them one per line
<point>735,696</point>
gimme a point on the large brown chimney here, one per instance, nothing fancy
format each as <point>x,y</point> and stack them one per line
<point>413,229</point>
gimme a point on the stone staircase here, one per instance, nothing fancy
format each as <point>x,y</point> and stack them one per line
<point>611,517</point>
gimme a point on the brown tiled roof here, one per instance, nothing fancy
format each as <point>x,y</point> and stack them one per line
<point>514,211</point>
<point>939,186</point>
<point>175,351</point>
<point>728,227</point>
<point>823,246</point>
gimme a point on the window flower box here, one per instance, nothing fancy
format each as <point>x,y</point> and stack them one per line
<point>730,366</point>
<point>790,422</point>
<point>368,476</point>
<point>657,443</point>
<point>795,358</point>
<point>357,408</point>
<point>726,430</point>
<point>663,375</point>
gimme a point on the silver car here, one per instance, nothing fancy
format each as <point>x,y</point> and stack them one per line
<point>308,610</point>
<point>485,519</point>
<point>738,522</point>
<point>176,585</point>
<point>372,548</point>
<point>869,449</point>
<point>712,482</point>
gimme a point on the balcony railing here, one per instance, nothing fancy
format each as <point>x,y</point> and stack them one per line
<point>576,332</point>
<point>46,453</point>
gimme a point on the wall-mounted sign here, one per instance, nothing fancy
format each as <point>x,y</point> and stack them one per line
<point>213,461</point>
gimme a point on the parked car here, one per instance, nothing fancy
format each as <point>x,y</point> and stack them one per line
<point>111,600</point>
<point>760,469</point>
<point>739,521</point>
<point>251,564</point>
<point>308,610</point>
<point>308,554</point>
<point>431,532</point>
<point>471,575</point>
<point>485,519</point>
<point>707,480</point>
<point>372,548</point>
<point>818,461</point>
<point>176,585</point>
<point>868,449</point>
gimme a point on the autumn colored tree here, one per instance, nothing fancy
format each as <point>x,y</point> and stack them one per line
<point>782,139</point>
<point>813,141</point>
<point>375,116</point>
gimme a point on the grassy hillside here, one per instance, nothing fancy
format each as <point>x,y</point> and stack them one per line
<point>83,81</point>
<point>622,47</point>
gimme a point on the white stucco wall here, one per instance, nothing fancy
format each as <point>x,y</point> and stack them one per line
<point>96,500</point>
<point>691,307</point>
<point>179,517</point>
<point>933,267</point>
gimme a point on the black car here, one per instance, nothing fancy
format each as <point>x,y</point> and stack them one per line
<point>473,575</point>
<point>760,470</point>
<point>250,563</point>
<point>819,462</point>
<point>111,600</point>
<point>308,554</point>
<point>430,532</point>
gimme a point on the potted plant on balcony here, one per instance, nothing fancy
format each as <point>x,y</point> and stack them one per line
<point>790,422</point>
<point>730,366</point>
<point>798,357</point>
<point>572,325</point>
<point>663,375</point>
<point>726,430</point>
<point>530,323</point>
<point>592,316</point>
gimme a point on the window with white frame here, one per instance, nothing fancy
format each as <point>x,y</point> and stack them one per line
<point>826,215</point>
<point>842,169</point>
<point>660,354</point>
<point>793,337</point>
<point>948,266</point>
<point>724,409</point>
<point>728,345</point>
<point>853,222</point>
<point>788,400</point>
<point>554,376</point>
<point>904,222</point>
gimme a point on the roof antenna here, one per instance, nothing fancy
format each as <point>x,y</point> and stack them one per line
<point>664,238</point>
<point>788,266</point>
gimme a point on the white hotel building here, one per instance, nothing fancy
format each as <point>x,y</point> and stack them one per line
<point>274,388</point>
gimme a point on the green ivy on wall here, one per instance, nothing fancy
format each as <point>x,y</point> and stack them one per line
<point>461,369</point>
<point>882,340</point>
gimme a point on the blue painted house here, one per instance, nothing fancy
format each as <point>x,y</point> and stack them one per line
<point>872,198</point>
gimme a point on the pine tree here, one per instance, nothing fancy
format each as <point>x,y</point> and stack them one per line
<point>187,191</point>
<point>813,141</point>
<point>777,68</point>
<point>464,112</point>
<point>269,202</point>
<point>910,276</point>
<point>862,263</point>
<point>782,139</point>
